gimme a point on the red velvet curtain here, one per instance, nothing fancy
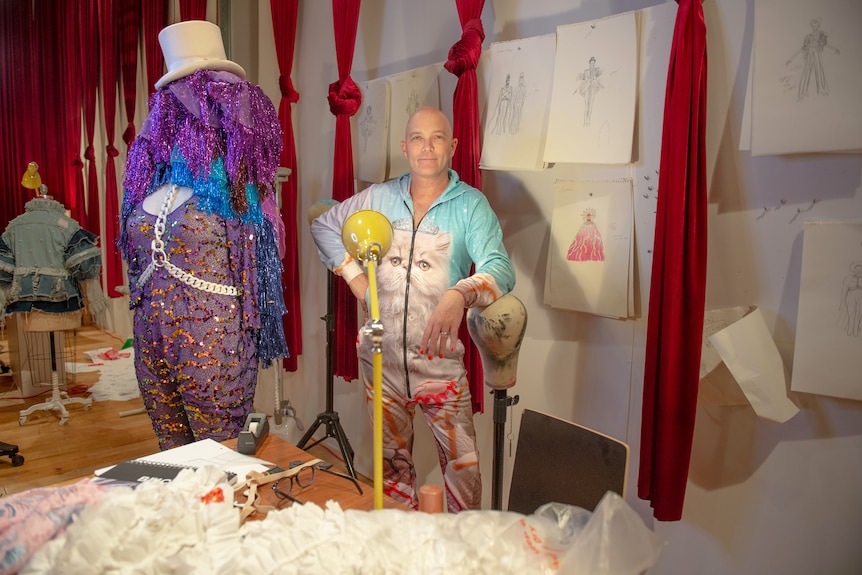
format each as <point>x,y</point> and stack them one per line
<point>18,105</point>
<point>40,102</point>
<point>192,9</point>
<point>60,114</point>
<point>130,24</point>
<point>72,86</point>
<point>88,53</point>
<point>463,58</point>
<point>284,14</point>
<point>678,283</point>
<point>109,36</point>
<point>154,14</point>
<point>344,100</point>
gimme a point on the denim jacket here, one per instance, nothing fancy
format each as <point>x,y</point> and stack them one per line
<point>44,257</point>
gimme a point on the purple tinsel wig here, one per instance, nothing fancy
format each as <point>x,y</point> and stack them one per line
<point>199,119</point>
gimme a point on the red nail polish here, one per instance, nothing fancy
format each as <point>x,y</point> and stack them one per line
<point>430,357</point>
<point>421,352</point>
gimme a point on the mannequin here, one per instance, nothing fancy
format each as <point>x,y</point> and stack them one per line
<point>45,258</point>
<point>200,233</point>
<point>498,330</point>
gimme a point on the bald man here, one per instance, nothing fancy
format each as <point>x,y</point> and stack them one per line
<point>442,227</point>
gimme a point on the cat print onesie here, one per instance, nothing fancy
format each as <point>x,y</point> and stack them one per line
<point>459,230</point>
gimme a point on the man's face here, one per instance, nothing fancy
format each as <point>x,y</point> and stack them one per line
<point>428,144</point>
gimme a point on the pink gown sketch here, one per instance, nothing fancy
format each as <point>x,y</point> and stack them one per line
<point>587,245</point>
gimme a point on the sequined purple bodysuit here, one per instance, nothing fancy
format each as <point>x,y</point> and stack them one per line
<point>194,351</point>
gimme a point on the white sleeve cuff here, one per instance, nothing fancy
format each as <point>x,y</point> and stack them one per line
<point>350,270</point>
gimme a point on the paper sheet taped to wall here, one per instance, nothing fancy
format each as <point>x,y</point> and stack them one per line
<point>739,340</point>
<point>826,358</point>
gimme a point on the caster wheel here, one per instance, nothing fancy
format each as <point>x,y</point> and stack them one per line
<point>22,420</point>
<point>87,407</point>
<point>17,460</point>
<point>64,421</point>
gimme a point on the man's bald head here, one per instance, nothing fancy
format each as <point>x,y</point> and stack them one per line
<point>429,113</point>
<point>428,144</point>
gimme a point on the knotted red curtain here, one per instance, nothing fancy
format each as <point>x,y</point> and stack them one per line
<point>154,14</point>
<point>108,36</point>
<point>678,283</point>
<point>129,20</point>
<point>463,58</point>
<point>344,100</point>
<point>89,56</point>
<point>192,10</point>
<point>284,13</point>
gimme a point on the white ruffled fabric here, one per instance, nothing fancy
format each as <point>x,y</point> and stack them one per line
<point>168,528</point>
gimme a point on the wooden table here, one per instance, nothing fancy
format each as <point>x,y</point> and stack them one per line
<point>325,486</point>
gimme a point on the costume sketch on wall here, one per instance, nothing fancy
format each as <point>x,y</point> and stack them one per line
<point>592,113</point>
<point>826,358</point>
<point>516,115</point>
<point>807,80</point>
<point>587,245</point>
<point>590,264</point>
<point>409,91</point>
<point>371,131</point>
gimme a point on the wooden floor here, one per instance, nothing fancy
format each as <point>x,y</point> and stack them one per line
<point>89,440</point>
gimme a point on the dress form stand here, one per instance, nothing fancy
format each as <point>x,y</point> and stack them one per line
<point>52,323</point>
<point>497,331</point>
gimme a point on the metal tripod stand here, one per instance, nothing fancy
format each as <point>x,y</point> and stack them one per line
<point>329,418</point>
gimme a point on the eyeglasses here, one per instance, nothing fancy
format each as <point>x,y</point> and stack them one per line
<point>304,478</point>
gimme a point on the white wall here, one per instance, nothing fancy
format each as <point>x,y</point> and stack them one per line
<point>762,497</point>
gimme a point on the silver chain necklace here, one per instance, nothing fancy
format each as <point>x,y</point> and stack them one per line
<point>160,257</point>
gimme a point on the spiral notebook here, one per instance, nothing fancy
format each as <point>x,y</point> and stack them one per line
<point>167,464</point>
<point>138,471</point>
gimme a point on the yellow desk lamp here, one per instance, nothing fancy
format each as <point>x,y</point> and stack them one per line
<point>367,235</point>
<point>31,179</point>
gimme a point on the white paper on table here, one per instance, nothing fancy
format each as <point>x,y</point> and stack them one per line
<point>207,452</point>
<point>748,350</point>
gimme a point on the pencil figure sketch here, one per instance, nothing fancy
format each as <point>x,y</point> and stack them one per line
<point>812,61</point>
<point>413,102</point>
<point>367,124</point>
<point>503,108</point>
<point>510,104</point>
<point>587,245</point>
<point>518,104</point>
<point>588,88</point>
<point>850,307</point>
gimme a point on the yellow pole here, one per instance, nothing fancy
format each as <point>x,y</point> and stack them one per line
<point>377,350</point>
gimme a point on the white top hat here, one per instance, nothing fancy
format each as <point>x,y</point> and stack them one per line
<point>191,46</point>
